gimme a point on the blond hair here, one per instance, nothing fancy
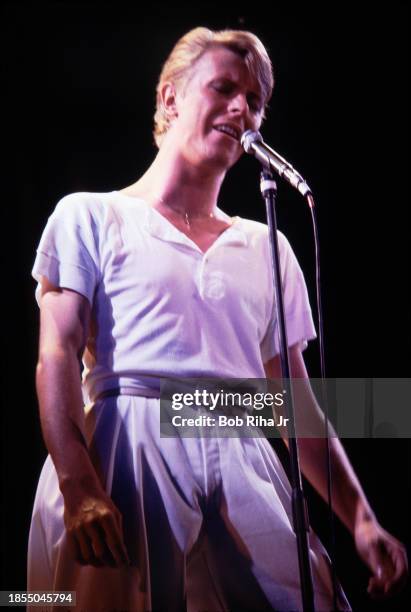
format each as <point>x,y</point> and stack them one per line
<point>192,46</point>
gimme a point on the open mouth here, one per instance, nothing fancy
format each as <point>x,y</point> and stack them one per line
<point>229,130</point>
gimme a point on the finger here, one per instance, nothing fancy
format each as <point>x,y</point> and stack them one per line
<point>375,588</point>
<point>84,546</point>
<point>384,563</point>
<point>100,551</point>
<point>376,584</point>
<point>73,547</point>
<point>391,575</point>
<point>97,540</point>
<point>114,540</point>
<point>400,573</point>
<point>378,557</point>
<point>116,543</point>
<point>400,563</point>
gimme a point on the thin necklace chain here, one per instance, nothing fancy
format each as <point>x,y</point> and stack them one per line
<point>184,214</point>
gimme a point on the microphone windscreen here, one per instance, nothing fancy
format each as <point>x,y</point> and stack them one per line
<point>248,138</point>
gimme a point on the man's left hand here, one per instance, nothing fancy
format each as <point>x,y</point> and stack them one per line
<point>385,556</point>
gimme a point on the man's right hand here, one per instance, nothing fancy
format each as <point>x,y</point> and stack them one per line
<point>95,531</point>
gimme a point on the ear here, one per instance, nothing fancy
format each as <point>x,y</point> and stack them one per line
<point>168,99</point>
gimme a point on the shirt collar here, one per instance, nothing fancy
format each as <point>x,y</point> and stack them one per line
<point>157,225</point>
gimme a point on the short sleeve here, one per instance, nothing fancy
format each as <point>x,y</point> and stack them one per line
<point>298,316</point>
<point>67,254</point>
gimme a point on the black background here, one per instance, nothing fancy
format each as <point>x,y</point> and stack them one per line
<point>78,93</point>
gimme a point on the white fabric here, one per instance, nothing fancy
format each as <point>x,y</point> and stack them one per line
<point>198,314</point>
<point>204,519</point>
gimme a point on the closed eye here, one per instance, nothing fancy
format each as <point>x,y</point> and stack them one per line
<point>227,87</point>
<point>254,102</point>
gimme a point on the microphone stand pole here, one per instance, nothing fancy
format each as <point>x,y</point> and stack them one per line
<point>299,506</point>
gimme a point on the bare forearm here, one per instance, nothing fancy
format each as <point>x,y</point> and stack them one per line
<point>90,515</point>
<point>348,498</point>
<point>62,417</point>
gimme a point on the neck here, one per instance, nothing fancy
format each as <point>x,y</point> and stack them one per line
<point>182,186</point>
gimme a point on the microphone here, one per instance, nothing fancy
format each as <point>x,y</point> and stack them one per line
<point>253,143</point>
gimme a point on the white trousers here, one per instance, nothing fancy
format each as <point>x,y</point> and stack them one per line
<point>207,523</point>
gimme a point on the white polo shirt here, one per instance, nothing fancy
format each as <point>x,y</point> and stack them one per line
<point>161,307</point>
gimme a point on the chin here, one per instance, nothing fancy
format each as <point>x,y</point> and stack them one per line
<point>219,158</point>
<point>224,159</point>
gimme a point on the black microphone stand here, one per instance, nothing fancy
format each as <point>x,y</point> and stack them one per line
<point>299,506</point>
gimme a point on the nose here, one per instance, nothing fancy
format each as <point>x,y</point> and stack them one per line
<point>238,104</point>
<point>239,109</point>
